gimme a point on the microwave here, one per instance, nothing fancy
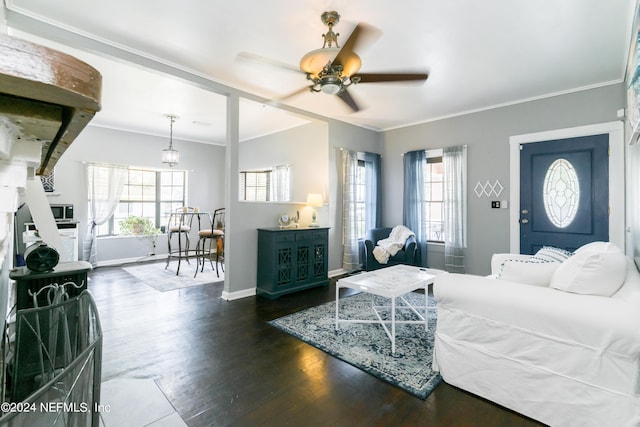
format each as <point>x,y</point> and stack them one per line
<point>62,212</point>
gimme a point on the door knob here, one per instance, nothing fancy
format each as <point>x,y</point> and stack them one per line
<point>524,221</point>
<point>524,211</point>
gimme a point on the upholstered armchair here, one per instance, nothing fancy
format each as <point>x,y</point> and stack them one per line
<point>406,255</point>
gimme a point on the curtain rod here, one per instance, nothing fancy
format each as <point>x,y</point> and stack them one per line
<point>116,165</point>
<point>433,149</point>
<point>348,149</point>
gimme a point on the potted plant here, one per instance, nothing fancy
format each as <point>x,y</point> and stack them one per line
<point>140,227</point>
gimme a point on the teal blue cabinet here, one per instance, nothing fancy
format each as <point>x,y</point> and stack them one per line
<point>291,260</point>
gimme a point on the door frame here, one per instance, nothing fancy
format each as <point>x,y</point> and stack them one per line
<point>616,176</point>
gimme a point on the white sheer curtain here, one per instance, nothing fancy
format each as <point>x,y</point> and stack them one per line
<point>280,188</point>
<point>454,160</point>
<point>104,188</point>
<point>350,257</point>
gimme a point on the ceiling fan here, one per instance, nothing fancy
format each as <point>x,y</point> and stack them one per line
<point>332,69</point>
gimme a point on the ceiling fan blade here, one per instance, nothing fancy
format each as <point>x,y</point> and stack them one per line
<point>348,99</point>
<point>361,35</point>
<point>294,93</point>
<point>390,77</point>
<point>247,56</point>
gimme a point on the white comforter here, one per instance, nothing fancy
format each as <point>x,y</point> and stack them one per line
<point>386,248</point>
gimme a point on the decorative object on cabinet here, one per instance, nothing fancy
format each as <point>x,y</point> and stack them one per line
<point>284,220</point>
<point>291,260</point>
<point>287,221</point>
<point>170,156</point>
<point>315,201</point>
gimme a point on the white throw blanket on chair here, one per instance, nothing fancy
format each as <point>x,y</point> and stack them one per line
<point>390,246</point>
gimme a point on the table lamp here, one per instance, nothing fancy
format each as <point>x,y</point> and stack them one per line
<point>314,201</point>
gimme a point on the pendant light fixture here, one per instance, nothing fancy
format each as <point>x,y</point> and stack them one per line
<point>170,156</point>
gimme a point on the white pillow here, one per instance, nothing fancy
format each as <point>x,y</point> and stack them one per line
<point>528,272</point>
<point>599,269</point>
<point>598,247</point>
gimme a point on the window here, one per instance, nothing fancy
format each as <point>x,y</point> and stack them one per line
<point>149,194</point>
<point>561,193</point>
<point>255,186</point>
<point>265,185</point>
<point>360,202</point>
<point>434,196</point>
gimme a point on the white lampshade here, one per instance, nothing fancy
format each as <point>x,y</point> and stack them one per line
<point>314,200</point>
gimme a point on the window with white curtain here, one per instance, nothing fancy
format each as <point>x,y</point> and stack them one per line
<point>361,209</point>
<point>435,201</point>
<point>147,193</point>
<point>266,185</point>
<point>360,200</point>
<point>434,196</point>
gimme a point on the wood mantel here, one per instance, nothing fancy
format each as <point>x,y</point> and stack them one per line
<point>47,96</point>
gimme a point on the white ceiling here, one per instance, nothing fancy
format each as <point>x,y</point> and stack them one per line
<point>478,55</point>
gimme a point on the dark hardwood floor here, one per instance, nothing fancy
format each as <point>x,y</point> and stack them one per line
<point>221,364</point>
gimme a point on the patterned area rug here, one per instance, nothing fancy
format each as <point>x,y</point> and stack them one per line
<point>366,346</point>
<point>163,280</point>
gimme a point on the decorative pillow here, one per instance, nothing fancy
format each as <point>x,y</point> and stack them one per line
<point>551,254</point>
<point>598,247</point>
<point>537,273</point>
<point>599,269</point>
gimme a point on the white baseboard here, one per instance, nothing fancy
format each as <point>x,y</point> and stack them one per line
<point>338,272</point>
<point>230,296</point>
<point>112,262</point>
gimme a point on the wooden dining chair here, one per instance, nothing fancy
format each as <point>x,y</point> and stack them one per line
<point>215,234</point>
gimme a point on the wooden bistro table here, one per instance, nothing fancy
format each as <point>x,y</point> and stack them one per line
<point>390,282</point>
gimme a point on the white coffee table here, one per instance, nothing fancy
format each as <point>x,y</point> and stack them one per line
<point>390,282</point>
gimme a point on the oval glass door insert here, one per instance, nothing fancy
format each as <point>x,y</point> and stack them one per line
<point>561,193</point>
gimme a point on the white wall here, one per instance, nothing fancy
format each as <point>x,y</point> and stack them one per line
<point>486,133</point>
<point>487,136</point>
<point>247,217</point>
<point>304,149</point>
<point>204,163</point>
<point>352,138</point>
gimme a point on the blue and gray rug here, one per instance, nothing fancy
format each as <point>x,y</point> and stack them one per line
<point>366,346</point>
